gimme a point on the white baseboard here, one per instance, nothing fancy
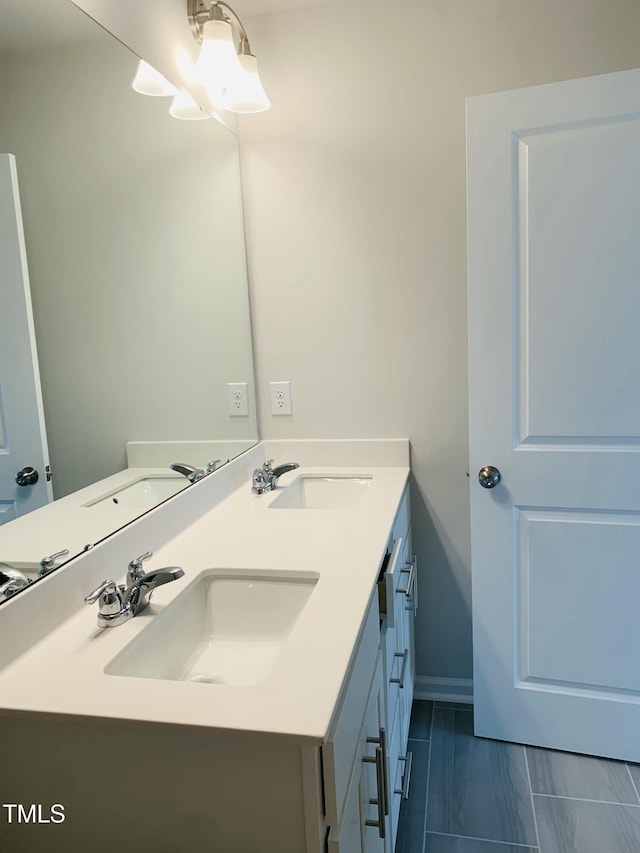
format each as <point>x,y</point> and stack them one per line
<point>444,689</point>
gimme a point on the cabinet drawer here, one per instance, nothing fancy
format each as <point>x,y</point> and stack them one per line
<point>391,670</point>
<point>397,663</point>
<point>340,750</point>
<point>400,782</point>
<point>395,777</point>
<point>409,677</point>
<point>392,580</point>
<point>400,605</point>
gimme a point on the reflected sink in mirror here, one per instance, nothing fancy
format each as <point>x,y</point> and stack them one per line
<point>226,628</point>
<point>143,493</point>
<point>322,492</point>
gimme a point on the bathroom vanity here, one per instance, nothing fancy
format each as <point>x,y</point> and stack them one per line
<point>260,703</point>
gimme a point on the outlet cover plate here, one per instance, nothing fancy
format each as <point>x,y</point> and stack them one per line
<point>280,398</point>
<point>237,399</point>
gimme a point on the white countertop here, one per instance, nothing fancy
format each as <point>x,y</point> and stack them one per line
<point>63,673</point>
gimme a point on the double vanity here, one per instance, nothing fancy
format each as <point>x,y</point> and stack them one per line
<point>260,702</point>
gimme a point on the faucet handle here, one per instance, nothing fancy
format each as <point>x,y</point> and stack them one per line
<point>105,588</point>
<point>259,481</point>
<point>211,466</point>
<point>48,563</point>
<point>112,609</point>
<point>135,567</point>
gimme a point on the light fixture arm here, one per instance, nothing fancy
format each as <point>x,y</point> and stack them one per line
<point>199,14</point>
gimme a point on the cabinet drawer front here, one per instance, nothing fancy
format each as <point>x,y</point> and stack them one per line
<point>400,605</point>
<point>393,580</point>
<point>340,750</point>
<point>392,666</point>
<point>395,775</point>
<point>401,787</point>
<point>409,679</point>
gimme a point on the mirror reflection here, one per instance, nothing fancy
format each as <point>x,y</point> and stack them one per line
<point>135,258</point>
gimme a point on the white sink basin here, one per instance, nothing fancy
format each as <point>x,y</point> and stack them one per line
<point>225,628</point>
<point>145,492</point>
<point>322,492</point>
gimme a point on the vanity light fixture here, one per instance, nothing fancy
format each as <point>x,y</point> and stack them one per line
<point>148,81</point>
<point>229,74</point>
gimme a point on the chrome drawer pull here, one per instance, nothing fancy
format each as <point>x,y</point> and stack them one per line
<point>410,570</point>
<point>379,802</point>
<point>405,657</point>
<point>406,778</point>
<point>382,741</point>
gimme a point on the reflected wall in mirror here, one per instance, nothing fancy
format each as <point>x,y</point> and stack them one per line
<point>135,248</point>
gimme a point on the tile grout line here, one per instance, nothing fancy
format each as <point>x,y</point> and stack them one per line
<point>426,799</point>
<point>632,781</point>
<point>533,805</point>
<point>585,800</point>
<point>487,840</point>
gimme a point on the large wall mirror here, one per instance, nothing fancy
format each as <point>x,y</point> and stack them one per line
<point>135,247</point>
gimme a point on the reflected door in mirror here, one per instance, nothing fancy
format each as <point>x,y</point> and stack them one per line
<point>23,441</point>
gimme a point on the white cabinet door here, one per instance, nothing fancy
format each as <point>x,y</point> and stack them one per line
<point>554,364</point>
<point>23,440</point>
<point>368,779</point>
<point>374,776</point>
<point>348,838</point>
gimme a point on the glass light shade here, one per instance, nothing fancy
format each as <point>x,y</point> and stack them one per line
<point>246,93</point>
<point>148,81</point>
<point>218,62</point>
<point>183,106</point>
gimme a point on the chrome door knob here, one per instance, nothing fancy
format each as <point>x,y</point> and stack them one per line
<point>27,477</point>
<point>489,477</point>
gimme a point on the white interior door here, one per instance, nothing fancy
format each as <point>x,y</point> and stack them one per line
<point>23,442</point>
<point>554,336</point>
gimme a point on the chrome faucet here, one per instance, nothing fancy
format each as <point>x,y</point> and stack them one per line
<point>265,479</point>
<point>192,473</point>
<point>11,580</point>
<point>117,604</point>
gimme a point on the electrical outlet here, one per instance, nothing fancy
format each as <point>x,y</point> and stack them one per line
<point>280,398</point>
<point>237,399</point>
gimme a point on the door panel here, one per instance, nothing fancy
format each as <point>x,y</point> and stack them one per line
<point>571,610</point>
<point>579,262</point>
<point>554,370</point>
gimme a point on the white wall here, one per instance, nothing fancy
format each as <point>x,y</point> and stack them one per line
<point>354,189</point>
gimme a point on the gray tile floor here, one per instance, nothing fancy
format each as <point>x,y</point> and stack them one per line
<point>474,795</point>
